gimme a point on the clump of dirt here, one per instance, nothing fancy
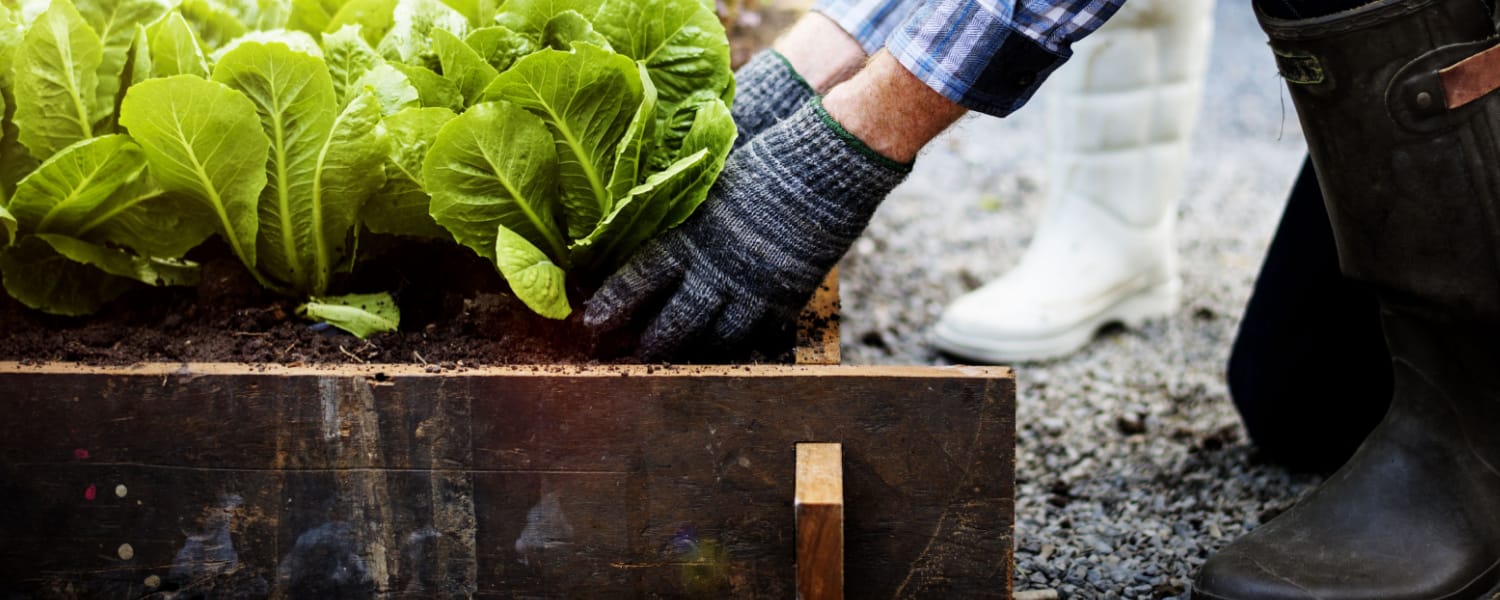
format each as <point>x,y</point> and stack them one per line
<point>456,311</point>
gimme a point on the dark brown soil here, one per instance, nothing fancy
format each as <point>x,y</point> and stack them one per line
<point>456,311</point>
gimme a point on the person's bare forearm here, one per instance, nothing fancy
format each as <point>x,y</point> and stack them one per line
<point>878,101</point>
<point>821,51</point>
<point>890,110</point>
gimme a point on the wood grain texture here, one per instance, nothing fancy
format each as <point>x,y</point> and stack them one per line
<point>820,473</point>
<point>818,325</point>
<point>383,481</point>
<point>820,521</point>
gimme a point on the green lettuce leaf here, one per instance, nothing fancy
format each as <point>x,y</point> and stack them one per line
<point>350,169</point>
<point>175,49</point>
<point>59,195</point>
<point>477,11</point>
<point>260,15</point>
<point>115,22</point>
<point>182,123</point>
<point>713,132</point>
<point>495,166</point>
<point>432,89</point>
<point>402,206</point>
<point>667,197</point>
<point>635,218</point>
<point>633,147</point>
<point>137,68</point>
<point>15,160</point>
<point>41,278</point>
<point>391,89</point>
<point>322,166</point>
<point>147,270</point>
<point>673,125</point>
<point>530,17</point>
<point>587,98</point>
<point>348,57</point>
<point>412,22</point>
<point>356,68</point>
<point>296,41</point>
<point>499,46</point>
<point>568,27</point>
<point>681,42</point>
<point>293,96</point>
<point>144,217</point>
<point>10,37</point>
<point>95,192</point>
<point>462,65</point>
<point>7,226</point>
<point>214,22</point>
<point>66,276</point>
<point>363,315</point>
<point>532,276</point>
<point>312,16</point>
<point>29,10</point>
<point>373,17</point>
<point>4,121</point>
<point>56,81</point>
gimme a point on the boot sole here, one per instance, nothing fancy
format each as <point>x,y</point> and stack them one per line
<point>1466,594</point>
<point>1131,311</point>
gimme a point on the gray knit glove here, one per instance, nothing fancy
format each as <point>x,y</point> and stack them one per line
<point>783,213</point>
<point>767,90</point>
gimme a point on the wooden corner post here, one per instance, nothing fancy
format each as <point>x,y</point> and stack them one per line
<point>820,521</point>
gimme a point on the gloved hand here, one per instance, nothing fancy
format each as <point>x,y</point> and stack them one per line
<point>785,210</point>
<point>767,90</point>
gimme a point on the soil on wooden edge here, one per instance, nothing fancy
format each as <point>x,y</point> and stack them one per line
<point>456,312</point>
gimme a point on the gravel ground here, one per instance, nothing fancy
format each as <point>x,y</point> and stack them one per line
<point>1132,464</point>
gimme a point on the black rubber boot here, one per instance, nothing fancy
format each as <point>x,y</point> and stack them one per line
<point>1308,371</point>
<point>1408,153</point>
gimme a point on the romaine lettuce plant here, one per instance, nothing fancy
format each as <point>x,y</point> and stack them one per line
<point>268,146</point>
<point>250,140</point>
<point>609,132</point>
<point>91,221</point>
<point>82,218</point>
<point>546,135</point>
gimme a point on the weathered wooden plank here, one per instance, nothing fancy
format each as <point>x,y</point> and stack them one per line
<point>819,506</point>
<point>534,482</point>
<point>818,325</point>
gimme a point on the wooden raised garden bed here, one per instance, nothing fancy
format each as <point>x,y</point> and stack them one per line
<point>248,481</point>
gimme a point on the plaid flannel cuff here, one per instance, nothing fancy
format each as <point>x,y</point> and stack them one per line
<point>991,55</point>
<point>870,22</point>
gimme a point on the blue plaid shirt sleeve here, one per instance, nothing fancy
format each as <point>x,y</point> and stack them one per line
<point>987,55</point>
<point>870,22</point>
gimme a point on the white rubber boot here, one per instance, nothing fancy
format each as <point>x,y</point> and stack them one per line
<point>1120,113</point>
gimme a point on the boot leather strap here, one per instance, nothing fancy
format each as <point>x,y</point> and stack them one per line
<point>1471,78</point>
